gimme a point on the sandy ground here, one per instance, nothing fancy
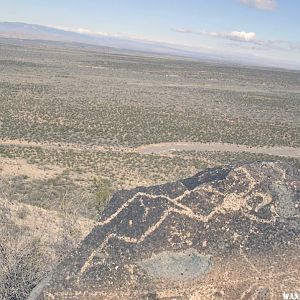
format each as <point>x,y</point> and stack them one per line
<point>165,148</point>
<point>48,227</point>
<point>222,147</point>
<point>72,146</point>
<point>17,167</point>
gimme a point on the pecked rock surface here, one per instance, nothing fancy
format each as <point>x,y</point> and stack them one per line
<point>226,233</point>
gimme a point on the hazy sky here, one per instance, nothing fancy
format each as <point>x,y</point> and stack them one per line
<point>263,28</point>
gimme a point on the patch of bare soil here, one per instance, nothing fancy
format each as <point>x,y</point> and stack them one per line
<point>50,228</point>
<point>18,167</point>
<point>221,147</point>
<point>165,148</point>
<point>71,146</point>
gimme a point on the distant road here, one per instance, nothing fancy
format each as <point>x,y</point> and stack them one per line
<point>62,145</point>
<point>223,147</point>
<point>163,148</point>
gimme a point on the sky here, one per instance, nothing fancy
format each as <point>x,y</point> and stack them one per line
<point>262,29</point>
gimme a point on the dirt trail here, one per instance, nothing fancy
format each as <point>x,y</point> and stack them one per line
<point>62,145</point>
<point>163,148</point>
<point>223,147</point>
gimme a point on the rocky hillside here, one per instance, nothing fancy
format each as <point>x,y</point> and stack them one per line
<point>226,233</point>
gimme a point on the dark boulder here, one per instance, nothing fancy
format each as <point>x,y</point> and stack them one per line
<point>226,233</point>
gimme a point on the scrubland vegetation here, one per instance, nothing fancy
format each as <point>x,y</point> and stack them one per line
<point>57,97</point>
<point>86,97</point>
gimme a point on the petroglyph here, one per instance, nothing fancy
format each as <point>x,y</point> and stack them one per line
<point>227,233</point>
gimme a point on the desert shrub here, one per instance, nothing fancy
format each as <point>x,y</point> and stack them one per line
<point>22,263</point>
<point>29,251</point>
<point>103,194</point>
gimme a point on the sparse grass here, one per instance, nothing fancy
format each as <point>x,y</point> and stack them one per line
<point>32,242</point>
<point>22,265</point>
<point>132,100</point>
<point>88,177</point>
<point>107,99</point>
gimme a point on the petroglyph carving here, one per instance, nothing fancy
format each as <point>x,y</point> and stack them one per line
<point>226,233</point>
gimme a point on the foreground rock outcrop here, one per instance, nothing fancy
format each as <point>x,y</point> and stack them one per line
<point>226,233</point>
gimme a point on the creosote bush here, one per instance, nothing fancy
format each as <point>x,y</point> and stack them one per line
<point>103,193</point>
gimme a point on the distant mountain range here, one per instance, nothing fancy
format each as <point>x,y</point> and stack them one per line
<point>39,32</point>
<point>24,31</point>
